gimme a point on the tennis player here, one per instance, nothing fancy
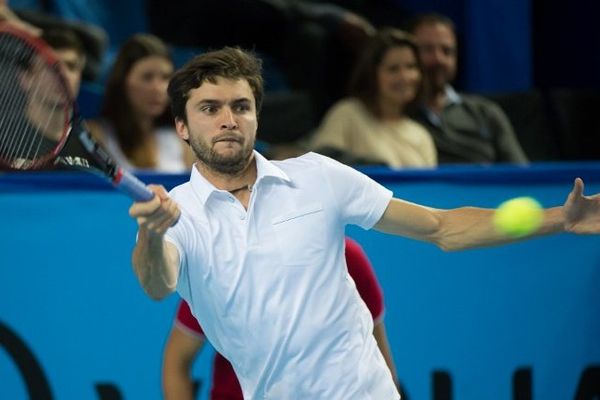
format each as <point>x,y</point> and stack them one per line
<point>256,247</point>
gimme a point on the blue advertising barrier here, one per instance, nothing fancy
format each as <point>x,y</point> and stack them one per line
<point>470,325</point>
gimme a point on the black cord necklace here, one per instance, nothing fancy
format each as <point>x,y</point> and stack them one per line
<point>247,187</point>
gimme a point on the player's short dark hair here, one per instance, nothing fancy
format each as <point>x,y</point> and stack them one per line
<point>230,63</point>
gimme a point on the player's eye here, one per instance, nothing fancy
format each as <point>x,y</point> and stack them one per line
<point>242,108</point>
<point>209,109</point>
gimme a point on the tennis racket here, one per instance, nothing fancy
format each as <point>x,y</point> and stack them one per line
<point>40,126</point>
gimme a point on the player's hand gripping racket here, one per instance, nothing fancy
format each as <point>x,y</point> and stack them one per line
<point>39,123</point>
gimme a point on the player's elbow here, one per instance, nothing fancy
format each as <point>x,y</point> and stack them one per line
<point>447,241</point>
<point>444,238</point>
<point>157,283</point>
<point>435,232</point>
<point>449,245</point>
<point>155,295</point>
<point>155,287</point>
<point>158,293</point>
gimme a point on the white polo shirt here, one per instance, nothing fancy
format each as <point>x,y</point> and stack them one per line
<point>270,285</point>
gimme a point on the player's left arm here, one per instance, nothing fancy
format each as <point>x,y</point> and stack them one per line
<point>469,227</point>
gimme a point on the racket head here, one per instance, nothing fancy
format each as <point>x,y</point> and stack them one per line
<point>35,102</point>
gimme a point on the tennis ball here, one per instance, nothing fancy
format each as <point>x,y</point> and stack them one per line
<point>518,217</point>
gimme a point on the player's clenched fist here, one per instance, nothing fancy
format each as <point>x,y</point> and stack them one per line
<point>157,215</point>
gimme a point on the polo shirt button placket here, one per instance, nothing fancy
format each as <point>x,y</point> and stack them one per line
<point>241,213</point>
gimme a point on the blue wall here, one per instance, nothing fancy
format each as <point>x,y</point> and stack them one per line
<point>68,292</point>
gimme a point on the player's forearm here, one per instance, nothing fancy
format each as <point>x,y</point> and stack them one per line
<point>471,227</point>
<point>155,267</point>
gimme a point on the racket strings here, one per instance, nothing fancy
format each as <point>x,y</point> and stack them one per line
<point>44,124</point>
<point>33,103</point>
<point>13,59</point>
<point>11,139</point>
<point>8,102</point>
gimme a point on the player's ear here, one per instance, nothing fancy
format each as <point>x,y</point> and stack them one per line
<point>182,129</point>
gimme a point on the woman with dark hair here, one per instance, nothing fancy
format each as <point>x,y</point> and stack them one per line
<point>136,124</point>
<point>371,126</point>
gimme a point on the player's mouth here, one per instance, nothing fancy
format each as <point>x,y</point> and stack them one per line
<point>228,139</point>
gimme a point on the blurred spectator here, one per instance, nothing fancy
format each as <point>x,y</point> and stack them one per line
<point>466,128</point>
<point>71,55</point>
<point>94,39</point>
<point>135,124</point>
<point>41,121</point>
<point>371,126</point>
<point>314,43</point>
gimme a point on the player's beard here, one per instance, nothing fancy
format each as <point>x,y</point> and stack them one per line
<point>225,164</point>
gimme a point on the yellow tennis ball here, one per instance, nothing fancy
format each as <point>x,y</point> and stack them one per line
<point>518,217</point>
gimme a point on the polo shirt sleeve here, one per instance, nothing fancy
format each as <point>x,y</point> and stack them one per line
<point>186,321</point>
<point>361,200</point>
<point>361,271</point>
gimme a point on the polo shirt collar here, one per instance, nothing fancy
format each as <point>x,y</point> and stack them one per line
<point>264,169</point>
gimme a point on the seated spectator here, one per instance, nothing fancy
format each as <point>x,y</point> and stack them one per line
<point>371,126</point>
<point>466,128</point>
<point>94,39</point>
<point>135,124</point>
<point>70,53</point>
<point>41,124</point>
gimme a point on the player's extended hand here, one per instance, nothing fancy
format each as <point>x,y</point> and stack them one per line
<point>582,213</point>
<point>157,215</point>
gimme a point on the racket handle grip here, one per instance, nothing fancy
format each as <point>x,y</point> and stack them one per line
<point>132,186</point>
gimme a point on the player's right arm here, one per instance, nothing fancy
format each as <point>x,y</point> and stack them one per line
<point>155,261</point>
